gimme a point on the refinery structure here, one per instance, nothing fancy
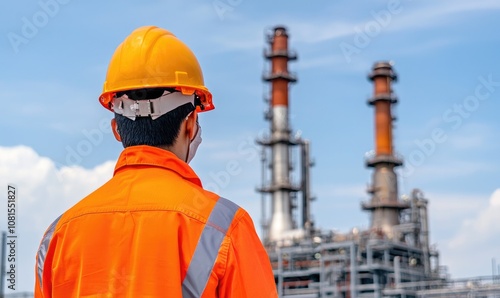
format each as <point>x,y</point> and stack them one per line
<point>393,257</point>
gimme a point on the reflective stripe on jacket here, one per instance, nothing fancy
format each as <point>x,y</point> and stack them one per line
<point>153,231</point>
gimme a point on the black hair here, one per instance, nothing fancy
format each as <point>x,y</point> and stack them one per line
<point>163,131</point>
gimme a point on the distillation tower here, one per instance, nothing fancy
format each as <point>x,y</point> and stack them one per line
<point>384,205</point>
<point>278,147</point>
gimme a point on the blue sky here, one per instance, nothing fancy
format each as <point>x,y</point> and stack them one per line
<point>56,145</point>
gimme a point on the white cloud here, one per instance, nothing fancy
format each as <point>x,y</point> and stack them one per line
<point>482,228</point>
<point>44,192</point>
<point>447,208</point>
<point>470,250</point>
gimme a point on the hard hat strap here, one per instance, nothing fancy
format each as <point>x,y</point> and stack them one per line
<point>150,107</point>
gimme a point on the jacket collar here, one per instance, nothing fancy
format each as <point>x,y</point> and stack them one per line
<point>155,157</point>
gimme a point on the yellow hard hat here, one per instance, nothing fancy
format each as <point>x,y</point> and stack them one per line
<point>152,57</point>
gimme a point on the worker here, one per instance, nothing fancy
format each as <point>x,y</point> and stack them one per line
<point>152,230</point>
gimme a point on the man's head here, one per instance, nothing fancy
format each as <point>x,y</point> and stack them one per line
<point>155,87</point>
<point>173,131</point>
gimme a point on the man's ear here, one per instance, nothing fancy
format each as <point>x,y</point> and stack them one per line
<point>191,124</point>
<point>114,128</point>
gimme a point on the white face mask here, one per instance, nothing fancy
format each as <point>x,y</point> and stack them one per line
<point>193,146</point>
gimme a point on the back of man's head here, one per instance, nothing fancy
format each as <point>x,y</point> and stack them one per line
<point>161,132</point>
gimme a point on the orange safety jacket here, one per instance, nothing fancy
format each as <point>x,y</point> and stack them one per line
<point>153,231</point>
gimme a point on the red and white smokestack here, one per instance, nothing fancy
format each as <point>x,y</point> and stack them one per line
<point>280,188</point>
<point>384,204</point>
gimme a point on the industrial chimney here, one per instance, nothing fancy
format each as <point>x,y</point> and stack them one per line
<point>384,204</point>
<point>282,192</point>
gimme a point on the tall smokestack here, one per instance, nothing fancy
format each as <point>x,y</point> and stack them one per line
<point>280,142</point>
<point>384,204</point>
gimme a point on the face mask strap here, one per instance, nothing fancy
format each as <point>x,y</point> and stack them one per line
<point>194,137</point>
<point>194,143</point>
